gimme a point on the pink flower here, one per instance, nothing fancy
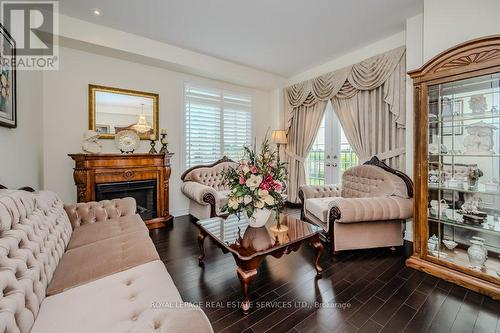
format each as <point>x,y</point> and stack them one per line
<point>253,169</point>
<point>277,186</point>
<point>265,186</point>
<point>242,180</point>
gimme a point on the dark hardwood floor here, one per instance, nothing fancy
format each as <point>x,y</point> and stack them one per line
<point>377,292</point>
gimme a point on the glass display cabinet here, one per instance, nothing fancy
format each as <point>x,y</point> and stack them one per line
<point>457,166</point>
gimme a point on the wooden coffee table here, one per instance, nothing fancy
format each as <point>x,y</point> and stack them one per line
<point>249,246</point>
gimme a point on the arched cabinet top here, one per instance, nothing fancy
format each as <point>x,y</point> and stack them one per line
<point>476,55</point>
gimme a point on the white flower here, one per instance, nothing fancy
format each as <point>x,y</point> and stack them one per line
<point>246,169</point>
<point>269,200</point>
<point>259,204</point>
<point>254,181</point>
<point>233,203</point>
<point>247,199</point>
<point>263,193</point>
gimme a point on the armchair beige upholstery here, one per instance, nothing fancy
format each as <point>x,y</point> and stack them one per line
<point>206,189</point>
<point>367,210</point>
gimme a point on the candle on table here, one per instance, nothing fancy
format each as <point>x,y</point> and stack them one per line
<point>163,131</point>
<point>152,137</point>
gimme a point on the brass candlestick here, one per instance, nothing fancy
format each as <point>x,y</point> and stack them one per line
<point>153,148</point>
<point>164,144</point>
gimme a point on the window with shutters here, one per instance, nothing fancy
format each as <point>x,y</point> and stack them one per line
<point>218,123</point>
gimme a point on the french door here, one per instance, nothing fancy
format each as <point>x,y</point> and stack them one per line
<point>331,153</point>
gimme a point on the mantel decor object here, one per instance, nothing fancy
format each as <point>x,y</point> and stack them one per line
<point>152,143</point>
<point>127,141</point>
<point>164,141</point>
<point>90,143</point>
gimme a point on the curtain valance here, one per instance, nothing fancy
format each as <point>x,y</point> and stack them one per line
<point>346,82</point>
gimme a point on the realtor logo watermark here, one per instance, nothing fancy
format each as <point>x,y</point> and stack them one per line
<point>34,25</point>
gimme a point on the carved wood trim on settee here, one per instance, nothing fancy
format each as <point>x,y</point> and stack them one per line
<point>24,188</point>
<point>222,160</point>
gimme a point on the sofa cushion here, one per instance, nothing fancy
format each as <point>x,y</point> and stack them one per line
<point>87,263</point>
<point>93,232</point>
<point>319,207</point>
<point>140,299</point>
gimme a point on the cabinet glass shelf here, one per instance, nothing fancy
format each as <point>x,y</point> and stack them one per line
<point>491,227</point>
<point>463,156</point>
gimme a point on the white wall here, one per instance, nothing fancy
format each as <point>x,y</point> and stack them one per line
<point>414,59</point>
<point>450,22</point>
<point>96,38</point>
<point>352,57</point>
<point>65,108</point>
<point>21,147</point>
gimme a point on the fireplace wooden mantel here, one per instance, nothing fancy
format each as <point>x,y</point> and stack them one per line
<point>93,169</point>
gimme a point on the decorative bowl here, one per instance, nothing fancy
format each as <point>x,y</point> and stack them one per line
<point>450,245</point>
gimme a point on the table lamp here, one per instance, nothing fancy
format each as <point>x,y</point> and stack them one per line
<point>279,138</point>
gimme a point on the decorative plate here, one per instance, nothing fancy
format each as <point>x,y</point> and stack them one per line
<point>127,141</point>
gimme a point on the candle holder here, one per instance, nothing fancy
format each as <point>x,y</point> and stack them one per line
<point>164,144</point>
<point>153,148</point>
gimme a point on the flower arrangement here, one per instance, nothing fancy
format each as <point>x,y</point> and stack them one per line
<point>257,183</point>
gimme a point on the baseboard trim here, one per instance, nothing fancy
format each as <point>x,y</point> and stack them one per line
<point>179,212</point>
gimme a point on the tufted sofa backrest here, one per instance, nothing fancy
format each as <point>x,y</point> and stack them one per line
<point>211,176</point>
<point>371,181</point>
<point>91,212</point>
<point>34,233</point>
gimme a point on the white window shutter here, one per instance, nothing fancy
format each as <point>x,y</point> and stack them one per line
<point>218,123</point>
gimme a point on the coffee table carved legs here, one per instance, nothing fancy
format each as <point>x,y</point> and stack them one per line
<point>201,239</point>
<point>245,278</point>
<point>247,271</point>
<point>316,243</point>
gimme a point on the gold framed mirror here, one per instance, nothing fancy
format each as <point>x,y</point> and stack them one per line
<point>112,110</point>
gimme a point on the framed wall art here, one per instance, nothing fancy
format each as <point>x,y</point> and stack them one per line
<point>8,112</point>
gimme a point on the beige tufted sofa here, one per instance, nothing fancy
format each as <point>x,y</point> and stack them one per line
<point>205,187</point>
<point>367,210</point>
<point>92,269</point>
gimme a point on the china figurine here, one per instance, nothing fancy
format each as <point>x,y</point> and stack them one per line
<point>477,103</point>
<point>479,138</point>
<point>90,143</point>
<point>476,254</point>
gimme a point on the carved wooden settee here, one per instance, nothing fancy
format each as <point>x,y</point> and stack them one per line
<point>206,189</point>
<point>366,210</point>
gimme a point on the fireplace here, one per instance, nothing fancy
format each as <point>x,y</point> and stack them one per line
<point>144,193</point>
<point>142,176</point>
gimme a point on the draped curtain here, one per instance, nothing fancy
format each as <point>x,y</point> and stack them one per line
<point>301,136</point>
<point>369,100</point>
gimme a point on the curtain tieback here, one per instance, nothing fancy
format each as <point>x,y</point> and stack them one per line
<point>295,156</point>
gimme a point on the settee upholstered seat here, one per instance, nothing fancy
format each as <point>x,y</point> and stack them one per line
<point>95,270</point>
<point>206,189</point>
<point>366,210</point>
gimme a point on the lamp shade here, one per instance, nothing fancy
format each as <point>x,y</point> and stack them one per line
<point>279,137</point>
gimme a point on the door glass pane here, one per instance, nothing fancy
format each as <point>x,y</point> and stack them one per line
<point>316,159</point>
<point>348,158</point>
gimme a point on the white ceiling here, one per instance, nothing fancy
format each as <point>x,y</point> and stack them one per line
<point>283,37</point>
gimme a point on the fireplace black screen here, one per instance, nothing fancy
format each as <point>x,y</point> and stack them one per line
<point>144,193</point>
